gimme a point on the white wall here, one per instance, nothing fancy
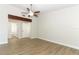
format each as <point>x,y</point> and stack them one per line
<point>60,26</point>
<point>3,24</point>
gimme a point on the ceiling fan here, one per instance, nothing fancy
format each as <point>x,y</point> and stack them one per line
<point>31,13</point>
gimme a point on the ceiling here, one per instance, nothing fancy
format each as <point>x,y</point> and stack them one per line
<point>43,8</point>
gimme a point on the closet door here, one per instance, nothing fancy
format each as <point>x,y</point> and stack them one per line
<point>12,30</point>
<point>19,30</point>
<point>26,27</point>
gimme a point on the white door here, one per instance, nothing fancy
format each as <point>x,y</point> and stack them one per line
<point>12,30</point>
<point>26,28</point>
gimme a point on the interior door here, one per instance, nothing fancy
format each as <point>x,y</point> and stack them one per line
<point>12,30</point>
<point>26,27</point>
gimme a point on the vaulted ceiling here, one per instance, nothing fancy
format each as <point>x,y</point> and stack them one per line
<point>43,7</point>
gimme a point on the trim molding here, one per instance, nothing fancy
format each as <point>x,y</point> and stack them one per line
<point>71,46</point>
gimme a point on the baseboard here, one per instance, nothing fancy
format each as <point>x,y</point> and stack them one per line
<point>3,43</point>
<point>75,47</point>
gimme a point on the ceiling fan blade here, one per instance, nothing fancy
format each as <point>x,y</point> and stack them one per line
<point>35,15</point>
<point>37,12</point>
<point>28,9</point>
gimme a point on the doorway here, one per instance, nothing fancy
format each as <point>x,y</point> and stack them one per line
<point>19,29</point>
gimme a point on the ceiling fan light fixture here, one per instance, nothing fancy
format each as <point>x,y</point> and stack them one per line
<point>30,13</point>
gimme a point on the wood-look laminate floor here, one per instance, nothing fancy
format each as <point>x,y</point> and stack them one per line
<point>27,46</point>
